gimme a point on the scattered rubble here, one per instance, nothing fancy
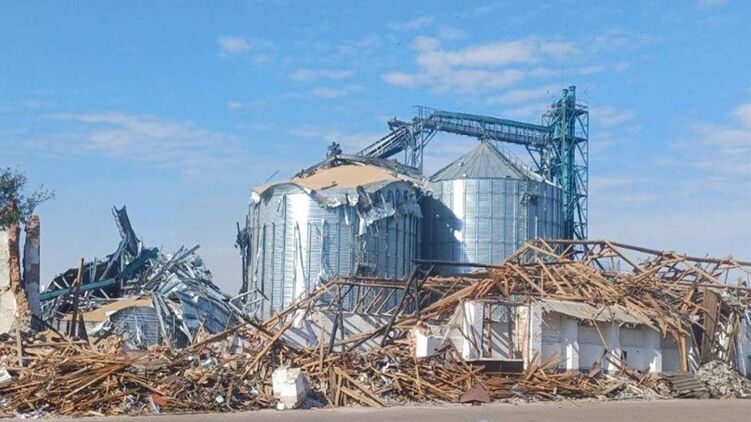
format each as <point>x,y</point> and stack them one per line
<point>723,381</point>
<point>685,385</point>
<point>432,345</point>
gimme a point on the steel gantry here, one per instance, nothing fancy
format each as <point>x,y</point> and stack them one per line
<point>558,147</point>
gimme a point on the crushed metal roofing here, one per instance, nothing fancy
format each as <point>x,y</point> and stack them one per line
<point>484,162</point>
<point>585,311</point>
<point>141,290</point>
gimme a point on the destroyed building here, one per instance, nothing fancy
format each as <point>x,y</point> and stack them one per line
<point>365,283</point>
<point>557,319</point>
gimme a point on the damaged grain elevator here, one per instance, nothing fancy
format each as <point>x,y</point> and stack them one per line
<point>369,214</point>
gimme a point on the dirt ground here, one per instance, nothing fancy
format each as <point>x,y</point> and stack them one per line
<point>580,411</point>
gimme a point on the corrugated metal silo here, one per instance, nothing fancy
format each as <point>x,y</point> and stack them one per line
<point>484,206</point>
<point>345,217</point>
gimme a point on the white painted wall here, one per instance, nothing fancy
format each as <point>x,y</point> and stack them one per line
<point>570,343</point>
<point>551,336</point>
<point>472,327</point>
<point>743,355</point>
<point>8,306</point>
<point>641,346</point>
<point>580,346</point>
<point>671,356</point>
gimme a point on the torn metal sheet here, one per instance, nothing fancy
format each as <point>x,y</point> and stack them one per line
<point>345,216</point>
<point>149,296</point>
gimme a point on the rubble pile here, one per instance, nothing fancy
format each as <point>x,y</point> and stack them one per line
<point>149,296</point>
<point>423,347</point>
<point>77,378</point>
<point>66,377</point>
<point>723,381</point>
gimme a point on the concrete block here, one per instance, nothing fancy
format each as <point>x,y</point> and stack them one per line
<point>290,387</point>
<point>5,377</point>
<point>427,342</point>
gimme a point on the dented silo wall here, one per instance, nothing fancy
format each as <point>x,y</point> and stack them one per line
<point>299,237</point>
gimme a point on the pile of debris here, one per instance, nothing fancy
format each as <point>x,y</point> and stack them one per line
<point>145,295</point>
<point>723,381</point>
<point>62,376</point>
<point>468,338</point>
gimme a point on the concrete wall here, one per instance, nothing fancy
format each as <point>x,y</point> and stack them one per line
<point>580,346</point>
<point>743,355</point>
<point>306,330</point>
<point>480,330</point>
<point>8,305</point>
<point>31,265</point>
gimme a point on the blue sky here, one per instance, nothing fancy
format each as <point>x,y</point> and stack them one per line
<point>178,108</point>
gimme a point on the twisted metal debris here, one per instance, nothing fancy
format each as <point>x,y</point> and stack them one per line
<point>149,296</point>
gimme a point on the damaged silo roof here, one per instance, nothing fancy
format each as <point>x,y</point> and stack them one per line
<point>341,176</point>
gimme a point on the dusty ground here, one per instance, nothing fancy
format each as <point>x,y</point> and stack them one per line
<point>583,411</point>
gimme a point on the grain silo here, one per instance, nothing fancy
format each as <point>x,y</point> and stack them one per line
<point>347,215</point>
<point>484,206</point>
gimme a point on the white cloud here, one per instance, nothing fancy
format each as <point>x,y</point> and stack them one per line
<point>184,145</point>
<point>743,114</point>
<point>591,70</point>
<point>698,230</point>
<point>232,45</point>
<point>621,66</point>
<point>618,39</point>
<point>609,116</point>
<point>723,148</point>
<point>450,33</point>
<point>255,49</point>
<point>525,95</point>
<point>237,106</point>
<point>329,92</point>
<point>313,75</point>
<point>464,81</point>
<point>408,80</point>
<point>493,54</point>
<point>415,24</point>
<point>710,4</point>
<point>234,105</point>
<point>360,45</point>
<point>478,68</point>
<point>326,92</point>
<point>424,43</point>
<point>351,142</point>
<point>529,112</point>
